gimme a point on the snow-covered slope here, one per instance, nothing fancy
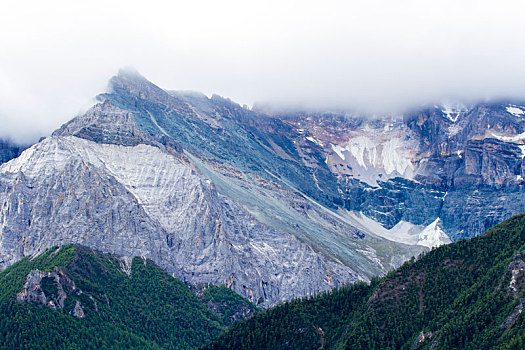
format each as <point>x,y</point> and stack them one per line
<point>454,111</point>
<point>373,154</point>
<point>405,232</point>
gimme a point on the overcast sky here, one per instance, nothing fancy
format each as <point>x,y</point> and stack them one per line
<point>55,56</point>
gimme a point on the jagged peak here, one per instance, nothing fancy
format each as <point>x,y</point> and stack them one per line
<point>130,78</point>
<point>129,81</point>
<point>130,73</point>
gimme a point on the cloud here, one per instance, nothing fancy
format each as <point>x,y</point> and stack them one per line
<point>374,55</point>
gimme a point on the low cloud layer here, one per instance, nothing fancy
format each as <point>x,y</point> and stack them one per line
<point>374,55</point>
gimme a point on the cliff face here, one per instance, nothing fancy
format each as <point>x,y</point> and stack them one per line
<point>463,165</point>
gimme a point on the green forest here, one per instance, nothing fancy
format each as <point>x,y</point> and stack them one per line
<point>146,309</point>
<point>465,295</point>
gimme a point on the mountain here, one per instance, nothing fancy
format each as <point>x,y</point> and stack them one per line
<point>73,296</point>
<point>273,205</point>
<point>143,200</point>
<point>465,295</point>
<point>113,179</point>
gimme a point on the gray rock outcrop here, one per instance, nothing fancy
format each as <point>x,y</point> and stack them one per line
<point>33,291</point>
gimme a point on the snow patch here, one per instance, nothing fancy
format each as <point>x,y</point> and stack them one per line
<point>339,150</point>
<point>404,232</point>
<point>515,111</point>
<point>453,113</point>
<point>433,235</point>
<point>390,155</point>
<point>376,153</point>
<point>314,140</point>
<point>515,138</point>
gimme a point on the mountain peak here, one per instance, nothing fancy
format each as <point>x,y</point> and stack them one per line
<point>129,85</point>
<point>129,77</point>
<point>130,73</point>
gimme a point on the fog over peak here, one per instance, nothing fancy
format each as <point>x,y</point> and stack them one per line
<point>374,56</point>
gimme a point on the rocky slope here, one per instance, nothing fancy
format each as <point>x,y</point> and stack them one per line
<point>142,201</point>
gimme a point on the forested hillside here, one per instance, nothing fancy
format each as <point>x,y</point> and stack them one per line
<point>74,297</point>
<point>466,295</point>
